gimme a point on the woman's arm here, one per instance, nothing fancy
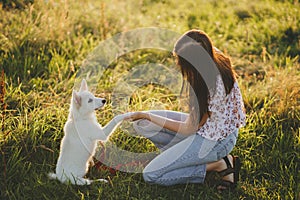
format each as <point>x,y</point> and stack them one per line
<point>185,128</point>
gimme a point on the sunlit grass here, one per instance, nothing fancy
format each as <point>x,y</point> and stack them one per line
<point>43,45</point>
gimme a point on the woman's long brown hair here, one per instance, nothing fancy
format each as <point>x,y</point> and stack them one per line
<point>199,76</point>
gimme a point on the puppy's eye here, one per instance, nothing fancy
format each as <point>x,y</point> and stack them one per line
<point>90,100</point>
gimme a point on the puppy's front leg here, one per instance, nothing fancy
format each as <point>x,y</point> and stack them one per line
<point>113,124</point>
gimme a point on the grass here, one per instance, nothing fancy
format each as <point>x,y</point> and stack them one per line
<point>43,45</point>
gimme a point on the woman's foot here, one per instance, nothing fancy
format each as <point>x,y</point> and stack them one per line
<point>225,165</point>
<point>227,170</point>
<point>230,175</point>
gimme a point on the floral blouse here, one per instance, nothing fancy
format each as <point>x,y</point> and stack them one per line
<point>227,112</point>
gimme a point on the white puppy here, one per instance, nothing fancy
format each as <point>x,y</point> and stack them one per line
<point>81,134</point>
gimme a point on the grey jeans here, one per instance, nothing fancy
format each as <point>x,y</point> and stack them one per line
<point>182,159</point>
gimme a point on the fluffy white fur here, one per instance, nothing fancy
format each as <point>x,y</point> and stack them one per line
<point>82,131</point>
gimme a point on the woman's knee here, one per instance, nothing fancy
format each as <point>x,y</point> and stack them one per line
<point>149,177</point>
<point>150,174</point>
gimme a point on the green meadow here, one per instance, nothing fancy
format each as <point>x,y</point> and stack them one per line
<point>43,46</point>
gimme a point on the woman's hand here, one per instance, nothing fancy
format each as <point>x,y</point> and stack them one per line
<point>136,116</point>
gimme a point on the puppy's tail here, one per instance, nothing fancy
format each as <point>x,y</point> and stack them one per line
<point>52,176</point>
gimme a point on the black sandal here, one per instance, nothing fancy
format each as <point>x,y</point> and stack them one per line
<point>235,169</point>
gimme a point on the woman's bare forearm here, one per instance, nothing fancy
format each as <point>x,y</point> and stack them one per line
<point>184,128</point>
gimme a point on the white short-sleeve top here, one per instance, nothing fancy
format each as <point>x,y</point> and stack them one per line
<point>227,112</point>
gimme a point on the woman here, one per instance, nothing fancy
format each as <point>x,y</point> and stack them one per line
<point>195,143</point>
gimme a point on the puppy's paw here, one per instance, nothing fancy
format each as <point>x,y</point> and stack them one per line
<point>52,176</point>
<point>121,117</point>
<point>125,115</point>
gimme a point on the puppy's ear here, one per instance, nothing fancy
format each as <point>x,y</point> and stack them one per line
<point>76,98</point>
<point>84,86</point>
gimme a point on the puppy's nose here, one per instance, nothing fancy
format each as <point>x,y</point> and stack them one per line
<point>103,101</point>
